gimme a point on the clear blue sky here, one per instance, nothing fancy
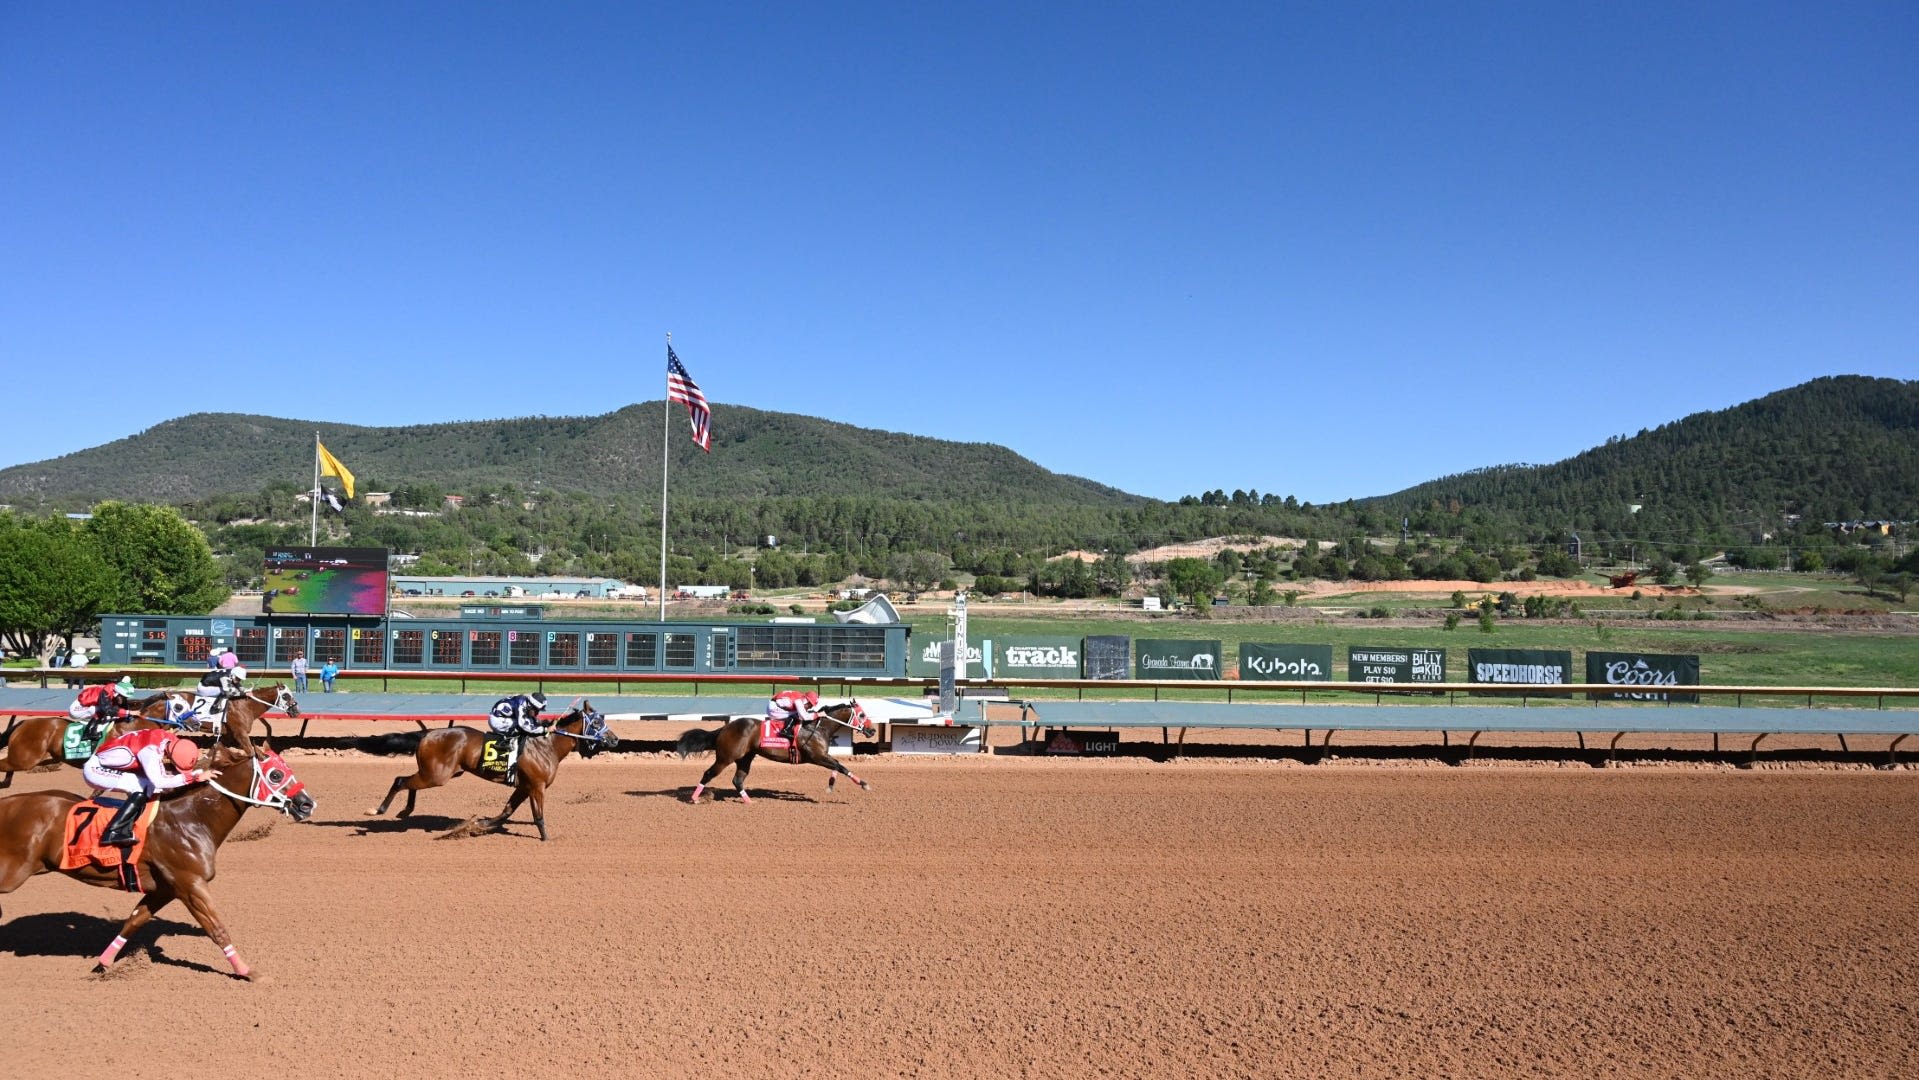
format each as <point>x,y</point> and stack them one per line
<point>1321,250</point>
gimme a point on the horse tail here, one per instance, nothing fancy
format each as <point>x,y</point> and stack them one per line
<point>698,741</point>
<point>393,742</point>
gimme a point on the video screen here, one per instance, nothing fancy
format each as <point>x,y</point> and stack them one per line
<point>325,581</point>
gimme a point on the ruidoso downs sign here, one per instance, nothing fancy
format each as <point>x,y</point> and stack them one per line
<point>1367,663</point>
<point>1176,659</point>
<point>1642,676</point>
<point>1285,663</point>
<point>1532,667</point>
<point>1037,658</point>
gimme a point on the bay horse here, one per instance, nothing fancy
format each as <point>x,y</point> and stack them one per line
<point>236,724</point>
<point>36,741</point>
<point>445,753</point>
<point>177,862</point>
<point>737,742</point>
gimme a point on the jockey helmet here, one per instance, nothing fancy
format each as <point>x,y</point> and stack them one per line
<point>184,754</point>
<point>812,697</point>
<point>229,660</point>
<point>125,686</point>
<point>538,699</point>
<point>239,672</point>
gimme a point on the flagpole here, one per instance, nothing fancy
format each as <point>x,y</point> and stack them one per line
<point>313,530</point>
<point>666,423</point>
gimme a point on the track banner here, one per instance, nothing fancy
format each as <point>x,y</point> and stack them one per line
<point>1544,667</point>
<point>1038,658</point>
<point>1176,659</point>
<point>1645,673</point>
<point>1285,663</point>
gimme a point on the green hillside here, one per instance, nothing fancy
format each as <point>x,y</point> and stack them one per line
<point>755,455</point>
<point>1834,449</point>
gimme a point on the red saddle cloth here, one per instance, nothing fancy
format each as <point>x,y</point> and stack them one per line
<point>86,821</point>
<point>770,735</point>
<point>770,739</point>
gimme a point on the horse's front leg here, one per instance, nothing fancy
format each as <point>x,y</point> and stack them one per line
<point>537,797</point>
<point>835,770</point>
<point>512,803</point>
<point>158,897</point>
<point>199,901</point>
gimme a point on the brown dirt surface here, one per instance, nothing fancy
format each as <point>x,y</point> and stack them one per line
<point>1003,916</point>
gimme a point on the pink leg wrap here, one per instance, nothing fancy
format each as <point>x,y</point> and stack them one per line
<point>698,789</point>
<point>233,957</point>
<point>113,950</point>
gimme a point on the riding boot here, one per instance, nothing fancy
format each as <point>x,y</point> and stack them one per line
<point>120,830</point>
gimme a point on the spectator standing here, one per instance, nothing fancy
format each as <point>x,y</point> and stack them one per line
<point>328,671</point>
<point>299,672</point>
<point>76,661</point>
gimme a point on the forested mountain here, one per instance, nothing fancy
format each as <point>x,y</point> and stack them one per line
<point>1834,449</point>
<point>755,455</point>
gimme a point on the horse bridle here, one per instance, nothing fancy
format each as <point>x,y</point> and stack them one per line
<point>276,799</point>
<point>853,708</point>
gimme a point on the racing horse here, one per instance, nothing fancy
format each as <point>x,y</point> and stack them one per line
<point>737,742</point>
<point>177,862</point>
<point>445,753</point>
<point>240,716</point>
<point>35,741</point>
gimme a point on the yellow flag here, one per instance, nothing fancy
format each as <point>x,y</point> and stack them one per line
<point>330,466</point>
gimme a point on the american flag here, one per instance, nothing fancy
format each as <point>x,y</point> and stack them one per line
<point>680,387</point>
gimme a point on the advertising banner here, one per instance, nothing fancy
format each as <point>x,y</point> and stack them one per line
<point>1646,673</point>
<point>1385,664</point>
<point>325,581</point>
<point>1077,743</point>
<point>1541,667</point>
<point>1107,656</point>
<point>1168,658</point>
<point>923,659</point>
<point>908,739</point>
<point>1285,663</point>
<point>1037,658</point>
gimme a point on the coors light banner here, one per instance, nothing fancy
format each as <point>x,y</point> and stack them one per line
<point>1646,674</point>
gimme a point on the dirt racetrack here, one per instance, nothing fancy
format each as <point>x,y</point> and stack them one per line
<point>1028,917</point>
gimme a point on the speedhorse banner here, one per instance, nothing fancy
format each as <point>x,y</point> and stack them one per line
<point>1544,667</point>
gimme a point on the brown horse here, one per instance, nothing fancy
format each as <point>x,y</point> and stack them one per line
<point>445,753</point>
<point>36,741</point>
<point>737,742</point>
<point>178,860</point>
<point>236,726</point>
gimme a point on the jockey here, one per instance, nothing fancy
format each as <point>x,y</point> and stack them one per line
<point>793,706</point>
<point>517,717</point>
<point>141,763</point>
<point>219,685</point>
<point>100,704</point>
